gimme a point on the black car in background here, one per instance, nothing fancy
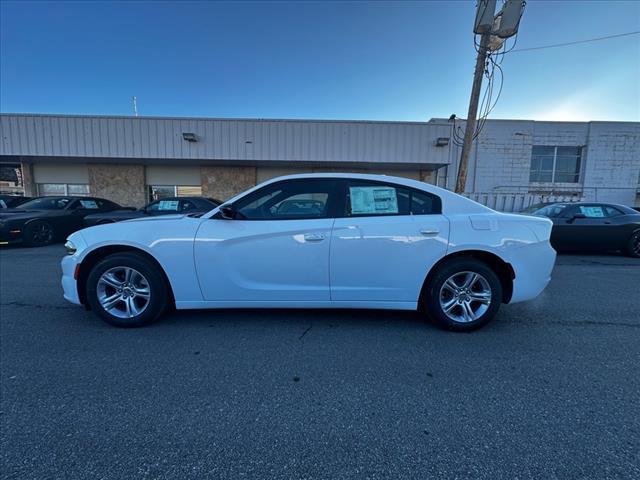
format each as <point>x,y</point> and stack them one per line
<point>593,226</point>
<point>45,220</point>
<point>12,201</point>
<point>164,206</point>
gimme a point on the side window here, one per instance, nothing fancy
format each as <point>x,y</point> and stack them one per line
<point>424,204</point>
<point>293,199</point>
<point>612,212</point>
<point>592,211</point>
<point>89,204</point>
<point>186,205</point>
<point>376,199</point>
<point>373,198</point>
<point>164,206</point>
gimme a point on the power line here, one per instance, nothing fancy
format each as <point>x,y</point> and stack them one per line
<point>577,42</point>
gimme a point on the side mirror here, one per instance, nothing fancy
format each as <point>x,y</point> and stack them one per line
<point>227,212</point>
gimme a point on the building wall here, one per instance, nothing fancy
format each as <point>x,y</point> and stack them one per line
<point>223,183</point>
<point>612,168</point>
<point>123,184</point>
<point>229,140</point>
<point>29,183</point>
<point>501,158</point>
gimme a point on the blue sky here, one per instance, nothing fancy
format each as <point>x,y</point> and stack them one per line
<point>342,60</point>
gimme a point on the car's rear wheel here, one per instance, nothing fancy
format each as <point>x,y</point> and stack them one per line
<point>633,245</point>
<point>38,234</point>
<point>463,295</point>
<point>127,290</point>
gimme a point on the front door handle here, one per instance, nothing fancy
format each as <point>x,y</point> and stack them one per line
<point>429,232</point>
<point>313,237</point>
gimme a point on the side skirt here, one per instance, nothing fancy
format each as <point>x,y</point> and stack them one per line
<point>298,304</point>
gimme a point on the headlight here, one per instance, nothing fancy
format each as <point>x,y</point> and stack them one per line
<point>71,248</point>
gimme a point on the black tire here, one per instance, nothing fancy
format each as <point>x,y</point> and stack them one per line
<point>38,234</point>
<point>104,222</point>
<point>488,282</point>
<point>633,245</point>
<point>158,290</point>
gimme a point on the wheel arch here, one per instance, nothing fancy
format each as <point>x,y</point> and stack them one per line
<point>94,256</point>
<point>503,269</point>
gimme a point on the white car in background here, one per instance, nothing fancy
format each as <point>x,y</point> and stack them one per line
<point>316,241</point>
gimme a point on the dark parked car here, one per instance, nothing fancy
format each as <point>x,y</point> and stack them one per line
<point>44,220</point>
<point>164,206</point>
<point>593,226</point>
<point>12,201</point>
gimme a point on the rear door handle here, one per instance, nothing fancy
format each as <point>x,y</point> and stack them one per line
<point>428,232</point>
<point>313,237</point>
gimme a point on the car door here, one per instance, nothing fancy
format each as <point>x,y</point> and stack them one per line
<point>274,248</point>
<point>77,210</point>
<point>581,227</point>
<point>388,238</point>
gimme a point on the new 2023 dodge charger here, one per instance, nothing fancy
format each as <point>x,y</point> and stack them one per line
<point>316,241</point>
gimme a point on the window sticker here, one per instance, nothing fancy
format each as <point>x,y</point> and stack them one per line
<point>88,204</point>
<point>592,212</point>
<point>168,205</point>
<point>373,200</point>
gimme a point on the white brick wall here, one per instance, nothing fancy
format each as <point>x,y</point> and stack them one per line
<point>501,157</point>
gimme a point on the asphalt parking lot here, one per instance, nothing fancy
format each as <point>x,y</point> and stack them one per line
<point>549,390</point>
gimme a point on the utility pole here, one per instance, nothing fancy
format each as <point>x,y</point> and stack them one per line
<point>488,25</point>
<point>473,112</point>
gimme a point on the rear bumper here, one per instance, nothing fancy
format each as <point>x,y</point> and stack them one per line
<point>532,265</point>
<point>68,281</point>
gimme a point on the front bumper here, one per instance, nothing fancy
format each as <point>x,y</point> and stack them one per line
<point>10,235</point>
<point>69,283</point>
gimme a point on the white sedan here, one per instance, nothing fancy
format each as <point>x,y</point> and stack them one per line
<point>316,241</point>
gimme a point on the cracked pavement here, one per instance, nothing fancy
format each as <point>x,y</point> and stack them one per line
<point>549,390</point>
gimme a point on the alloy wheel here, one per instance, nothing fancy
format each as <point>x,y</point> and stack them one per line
<point>465,296</point>
<point>123,292</point>
<point>41,233</point>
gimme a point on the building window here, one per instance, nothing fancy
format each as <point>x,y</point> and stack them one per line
<point>555,164</point>
<point>11,179</point>
<point>54,189</point>
<point>156,192</point>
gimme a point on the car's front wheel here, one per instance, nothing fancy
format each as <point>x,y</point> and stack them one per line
<point>463,295</point>
<point>38,234</point>
<point>127,290</point>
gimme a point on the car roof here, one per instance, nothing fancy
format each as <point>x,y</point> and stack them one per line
<point>619,206</point>
<point>452,203</point>
<point>70,197</point>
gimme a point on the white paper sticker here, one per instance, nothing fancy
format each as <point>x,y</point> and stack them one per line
<point>88,204</point>
<point>592,212</point>
<point>373,200</point>
<point>168,205</point>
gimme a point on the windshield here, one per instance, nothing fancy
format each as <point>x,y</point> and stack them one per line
<point>52,203</point>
